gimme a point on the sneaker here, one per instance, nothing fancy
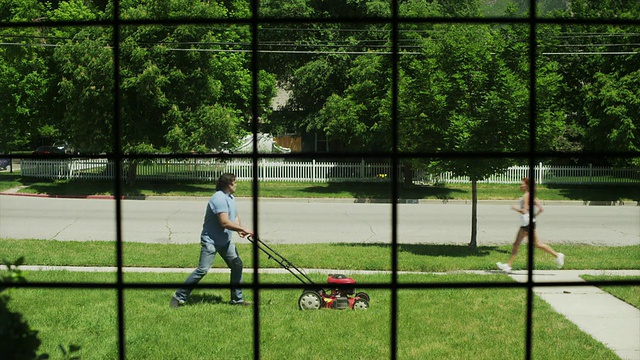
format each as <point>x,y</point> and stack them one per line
<point>560,260</point>
<point>175,302</point>
<point>241,303</point>
<point>504,267</point>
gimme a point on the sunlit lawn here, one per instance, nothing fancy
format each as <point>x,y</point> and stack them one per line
<point>479,323</point>
<point>278,189</point>
<point>411,257</point>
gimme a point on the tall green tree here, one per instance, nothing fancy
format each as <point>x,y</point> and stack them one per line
<point>612,107</point>
<point>598,65</point>
<point>28,85</point>
<point>467,92</point>
<point>322,65</point>
<point>485,104</point>
<point>85,65</point>
<point>182,89</point>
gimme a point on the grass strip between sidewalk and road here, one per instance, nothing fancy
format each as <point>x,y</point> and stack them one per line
<point>411,257</point>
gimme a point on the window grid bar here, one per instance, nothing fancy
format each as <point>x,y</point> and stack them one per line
<point>255,188</point>
<point>117,179</point>
<point>532,160</point>
<point>394,180</point>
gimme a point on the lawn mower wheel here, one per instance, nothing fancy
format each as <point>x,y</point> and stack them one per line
<point>310,300</point>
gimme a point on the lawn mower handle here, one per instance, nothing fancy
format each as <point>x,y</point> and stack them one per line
<point>286,264</point>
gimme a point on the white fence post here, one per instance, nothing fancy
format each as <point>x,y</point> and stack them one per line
<point>539,173</point>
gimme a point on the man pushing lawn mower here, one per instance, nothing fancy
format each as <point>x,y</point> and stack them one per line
<point>220,221</point>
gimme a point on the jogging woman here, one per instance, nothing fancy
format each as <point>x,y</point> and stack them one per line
<point>523,232</point>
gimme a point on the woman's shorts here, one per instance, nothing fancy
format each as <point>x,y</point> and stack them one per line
<point>526,228</point>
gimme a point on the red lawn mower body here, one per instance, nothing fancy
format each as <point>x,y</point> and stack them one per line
<point>341,295</point>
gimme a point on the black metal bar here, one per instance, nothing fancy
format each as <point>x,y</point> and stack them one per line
<point>117,179</point>
<point>533,102</point>
<point>395,74</point>
<point>255,115</point>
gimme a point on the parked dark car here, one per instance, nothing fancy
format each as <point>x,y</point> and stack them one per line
<point>4,163</point>
<point>48,150</point>
<point>64,146</point>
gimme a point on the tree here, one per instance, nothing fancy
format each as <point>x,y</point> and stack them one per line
<point>422,118</point>
<point>593,61</point>
<point>488,110</point>
<point>467,93</point>
<point>464,92</point>
<point>325,75</point>
<point>27,83</point>
<point>612,107</point>
<point>557,129</point>
<point>179,91</point>
<point>85,63</point>
<point>361,117</point>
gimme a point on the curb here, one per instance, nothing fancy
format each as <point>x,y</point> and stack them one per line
<point>105,197</point>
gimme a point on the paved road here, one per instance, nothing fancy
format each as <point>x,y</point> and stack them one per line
<point>298,221</point>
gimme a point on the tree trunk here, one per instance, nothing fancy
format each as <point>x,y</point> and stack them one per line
<point>407,174</point>
<point>132,171</point>
<point>474,214</point>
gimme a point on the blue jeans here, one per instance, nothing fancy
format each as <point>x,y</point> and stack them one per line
<point>208,252</point>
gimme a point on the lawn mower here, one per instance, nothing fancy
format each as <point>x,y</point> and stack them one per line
<point>340,295</point>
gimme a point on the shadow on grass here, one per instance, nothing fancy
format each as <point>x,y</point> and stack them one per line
<point>447,250</point>
<point>383,191</point>
<point>196,299</point>
<point>205,189</point>
<point>598,195</point>
<point>7,176</point>
<point>68,187</point>
<point>75,187</point>
<point>17,177</point>
<point>436,250</point>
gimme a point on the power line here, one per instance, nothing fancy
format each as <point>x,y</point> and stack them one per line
<point>591,45</point>
<point>246,50</point>
<point>593,53</point>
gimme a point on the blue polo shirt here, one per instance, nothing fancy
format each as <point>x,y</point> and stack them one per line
<point>220,202</point>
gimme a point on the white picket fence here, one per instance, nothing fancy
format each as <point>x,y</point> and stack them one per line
<point>310,171</point>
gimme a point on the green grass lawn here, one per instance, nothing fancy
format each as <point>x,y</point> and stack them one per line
<point>438,322</point>
<point>477,323</point>
<point>411,257</point>
<point>10,180</point>
<point>375,190</point>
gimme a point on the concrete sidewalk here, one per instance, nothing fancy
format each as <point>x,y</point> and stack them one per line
<point>607,319</point>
